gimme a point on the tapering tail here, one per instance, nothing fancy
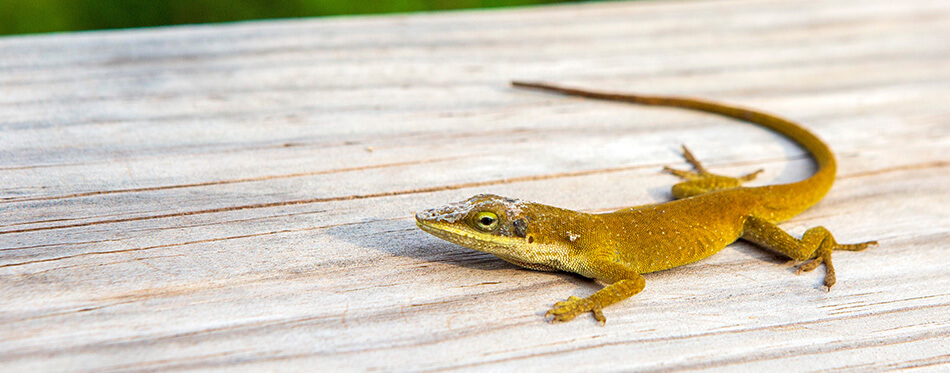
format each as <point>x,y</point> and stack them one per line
<point>810,190</point>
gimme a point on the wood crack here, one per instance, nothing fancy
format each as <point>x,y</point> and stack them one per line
<point>337,199</point>
<point>175,244</point>
<point>755,356</point>
<point>230,181</point>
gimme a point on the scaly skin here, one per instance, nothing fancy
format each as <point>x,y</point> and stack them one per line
<point>710,212</point>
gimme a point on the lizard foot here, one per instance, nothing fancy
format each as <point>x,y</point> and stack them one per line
<point>813,263</point>
<point>700,181</point>
<point>814,248</point>
<point>824,256</point>
<point>569,309</point>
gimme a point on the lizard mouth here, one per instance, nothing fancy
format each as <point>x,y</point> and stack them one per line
<point>430,228</point>
<point>462,236</point>
<point>451,233</point>
<point>491,244</point>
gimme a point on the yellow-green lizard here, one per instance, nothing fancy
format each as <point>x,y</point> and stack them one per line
<point>710,212</point>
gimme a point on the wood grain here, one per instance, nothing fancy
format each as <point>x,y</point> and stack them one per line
<point>240,196</point>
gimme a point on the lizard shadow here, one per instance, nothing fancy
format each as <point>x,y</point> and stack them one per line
<point>401,237</point>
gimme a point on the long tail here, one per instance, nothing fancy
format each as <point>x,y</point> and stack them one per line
<point>815,186</point>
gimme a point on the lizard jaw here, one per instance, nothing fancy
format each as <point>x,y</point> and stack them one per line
<point>495,245</point>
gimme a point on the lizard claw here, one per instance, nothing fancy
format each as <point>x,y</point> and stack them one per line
<point>599,316</point>
<point>565,310</point>
<point>829,268</point>
<point>569,309</point>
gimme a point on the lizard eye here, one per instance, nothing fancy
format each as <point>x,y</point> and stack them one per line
<point>486,221</point>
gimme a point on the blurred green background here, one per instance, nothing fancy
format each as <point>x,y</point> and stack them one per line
<point>33,16</point>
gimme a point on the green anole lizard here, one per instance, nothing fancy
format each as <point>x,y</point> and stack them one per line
<point>709,212</point>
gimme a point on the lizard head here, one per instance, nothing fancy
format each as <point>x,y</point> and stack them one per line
<point>492,224</point>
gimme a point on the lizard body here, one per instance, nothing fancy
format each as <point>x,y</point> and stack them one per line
<point>710,212</point>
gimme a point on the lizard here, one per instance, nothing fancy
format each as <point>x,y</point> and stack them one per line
<point>708,212</point>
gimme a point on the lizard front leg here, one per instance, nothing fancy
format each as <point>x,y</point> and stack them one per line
<point>625,283</point>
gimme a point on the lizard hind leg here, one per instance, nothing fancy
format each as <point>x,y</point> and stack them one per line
<point>701,181</point>
<point>814,248</point>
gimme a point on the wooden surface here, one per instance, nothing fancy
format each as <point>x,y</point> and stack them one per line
<point>240,196</point>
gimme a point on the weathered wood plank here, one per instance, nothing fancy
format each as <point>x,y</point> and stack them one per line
<point>240,196</point>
